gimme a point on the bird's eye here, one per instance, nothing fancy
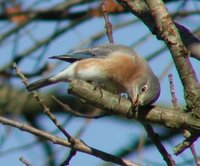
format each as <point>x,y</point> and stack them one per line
<point>144,88</point>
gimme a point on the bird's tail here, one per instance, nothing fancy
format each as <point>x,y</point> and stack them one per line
<point>39,84</point>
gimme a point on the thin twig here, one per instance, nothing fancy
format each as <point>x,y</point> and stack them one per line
<point>156,140</point>
<point>187,134</point>
<point>178,149</point>
<point>172,90</point>
<point>67,108</point>
<point>25,162</point>
<point>108,25</point>
<point>192,148</point>
<point>71,155</point>
<point>41,102</point>
<point>79,145</point>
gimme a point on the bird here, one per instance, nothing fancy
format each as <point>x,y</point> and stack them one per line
<point>114,67</point>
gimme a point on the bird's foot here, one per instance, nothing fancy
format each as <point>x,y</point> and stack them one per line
<point>133,112</point>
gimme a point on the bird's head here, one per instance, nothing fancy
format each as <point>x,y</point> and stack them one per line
<point>144,90</point>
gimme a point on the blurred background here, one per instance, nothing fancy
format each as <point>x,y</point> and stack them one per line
<point>31,31</point>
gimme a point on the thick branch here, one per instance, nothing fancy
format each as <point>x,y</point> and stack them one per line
<point>168,32</point>
<point>117,105</point>
<point>156,17</point>
<point>141,10</point>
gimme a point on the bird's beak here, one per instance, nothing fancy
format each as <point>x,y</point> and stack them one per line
<point>134,98</point>
<point>135,101</point>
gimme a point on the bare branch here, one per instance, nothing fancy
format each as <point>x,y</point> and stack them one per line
<point>172,90</point>
<point>141,10</point>
<point>122,107</point>
<point>78,145</point>
<point>45,109</point>
<point>25,162</point>
<point>187,134</point>
<point>191,41</point>
<point>155,139</point>
<point>185,144</point>
<point>94,114</point>
<point>167,31</point>
<point>159,21</point>
<point>108,25</point>
<point>71,155</point>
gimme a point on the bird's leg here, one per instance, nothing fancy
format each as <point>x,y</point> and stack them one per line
<point>120,97</point>
<point>119,100</point>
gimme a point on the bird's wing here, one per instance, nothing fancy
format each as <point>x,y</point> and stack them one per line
<point>98,52</point>
<point>66,58</point>
<point>105,50</point>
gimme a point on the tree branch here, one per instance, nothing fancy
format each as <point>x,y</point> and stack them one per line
<point>141,10</point>
<point>116,105</point>
<point>155,139</point>
<point>78,144</point>
<point>166,30</point>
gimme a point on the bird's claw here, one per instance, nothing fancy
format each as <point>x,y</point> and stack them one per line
<point>133,111</point>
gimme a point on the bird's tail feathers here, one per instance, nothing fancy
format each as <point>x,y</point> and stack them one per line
<point>40,83</point>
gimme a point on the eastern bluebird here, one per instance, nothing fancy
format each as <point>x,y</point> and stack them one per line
<point>116,68</point>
